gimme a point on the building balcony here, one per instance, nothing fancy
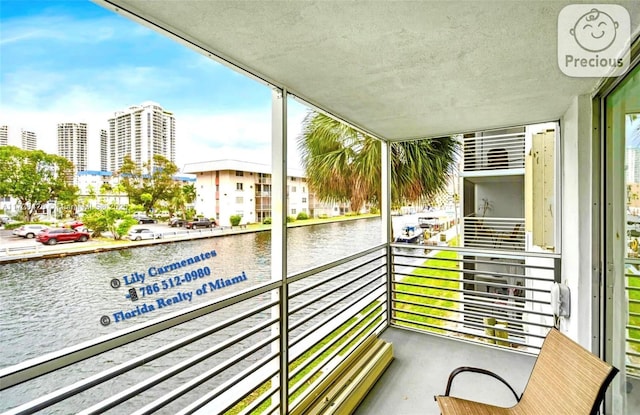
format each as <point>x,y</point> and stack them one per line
<point>493,155</point>
<point>493,233</point>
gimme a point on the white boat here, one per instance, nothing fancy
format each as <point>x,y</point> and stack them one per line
<point>411,234</point>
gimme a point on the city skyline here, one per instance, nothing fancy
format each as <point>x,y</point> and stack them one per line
<point>75,62</point>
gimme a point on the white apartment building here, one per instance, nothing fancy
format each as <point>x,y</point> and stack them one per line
<point>4,135</point>
<point>72,144</point>
<point>28,140</point>
<point>104,153</point>
<point>141,132</point>
<point>233,187</point>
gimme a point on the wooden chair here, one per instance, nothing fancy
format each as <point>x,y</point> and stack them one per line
<point>566,379</point>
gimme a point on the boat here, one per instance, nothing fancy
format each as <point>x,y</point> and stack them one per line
<point>434,220</point>
<point>411,234</point>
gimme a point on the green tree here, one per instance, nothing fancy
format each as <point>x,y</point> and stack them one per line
<point>182,196</point>
<point>34,177</point>
<point>343,165</point>
<point>149,185</point>
<point>113,220</point>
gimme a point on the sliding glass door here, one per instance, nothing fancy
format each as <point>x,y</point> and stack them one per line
<point>622,241</point>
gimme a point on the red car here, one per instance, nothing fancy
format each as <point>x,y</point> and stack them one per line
<point>53,236</point>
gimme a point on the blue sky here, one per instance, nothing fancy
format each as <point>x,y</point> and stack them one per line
<point>74,61</point>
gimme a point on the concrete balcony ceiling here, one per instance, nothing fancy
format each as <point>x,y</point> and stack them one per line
<point>395,69</point>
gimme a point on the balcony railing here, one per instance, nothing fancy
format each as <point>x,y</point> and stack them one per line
<point>482,295</point>
<point>493,233</point>
<point>632,286</point>
<point>497,152</point>
<point>227,354</point>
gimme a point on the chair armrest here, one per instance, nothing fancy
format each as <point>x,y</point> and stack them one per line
<point>461,369</point>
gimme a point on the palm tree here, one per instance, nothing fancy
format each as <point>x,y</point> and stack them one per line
<point>182,195</point>
<point>343,164</point>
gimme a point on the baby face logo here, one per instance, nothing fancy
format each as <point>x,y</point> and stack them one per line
<point>595,31</point>
<point>593,40</point>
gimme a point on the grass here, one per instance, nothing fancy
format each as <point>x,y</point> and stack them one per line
<point>433,281</point>
<point>347,335</point>
<point>634,282</point>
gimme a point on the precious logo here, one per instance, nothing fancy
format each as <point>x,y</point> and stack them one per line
<point>593,40</point>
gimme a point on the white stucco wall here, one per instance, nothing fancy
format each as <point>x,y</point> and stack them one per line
<point>576,223</point>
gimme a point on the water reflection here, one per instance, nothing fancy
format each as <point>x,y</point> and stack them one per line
<point>50,304</point>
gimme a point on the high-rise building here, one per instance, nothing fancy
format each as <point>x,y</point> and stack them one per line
<point>4,135</point>
<point>29,140</point>
<point>104,152</point>
<point>141,132</point>
<point>72,144</point>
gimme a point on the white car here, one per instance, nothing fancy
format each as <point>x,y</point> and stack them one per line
<point>142,233</point>
<point>29,231</point>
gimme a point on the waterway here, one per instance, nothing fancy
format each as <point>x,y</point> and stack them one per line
<point>46,305</point>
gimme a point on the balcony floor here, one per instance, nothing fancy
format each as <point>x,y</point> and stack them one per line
<point>422,364</point>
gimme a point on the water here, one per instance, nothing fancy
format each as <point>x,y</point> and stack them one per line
<point>50,304</point>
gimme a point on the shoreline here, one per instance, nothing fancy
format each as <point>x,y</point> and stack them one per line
<point>172,235</point>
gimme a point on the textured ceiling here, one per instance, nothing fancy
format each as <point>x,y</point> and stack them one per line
<point>395,69</point>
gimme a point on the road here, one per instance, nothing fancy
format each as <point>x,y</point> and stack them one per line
<point>8,240</point>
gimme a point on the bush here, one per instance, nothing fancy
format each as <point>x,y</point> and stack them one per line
<point>235,220</point>
<point>302,216</point>
<point>266,221</point>
<point>323,216</point>
<point>291,218</point>
<point>374,211</point>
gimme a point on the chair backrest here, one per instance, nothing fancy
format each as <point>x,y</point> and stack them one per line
<point>566,379</point>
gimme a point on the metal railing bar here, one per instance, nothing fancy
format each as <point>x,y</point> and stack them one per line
<point>494,275</point>
<point>339,287</point>
<point>209,374</point>
<point>478,304</point>
<point>85,384</point>
<point>261,399</point>
<point>490,138</point>
<point>471,313</point>
<point>208,397</point>
<point>314,328</point>
<point>330,265</point>
<point>458,321</point>
<point>330,343</point>
<point>480,294</point>
<point>459,261</point>
<point>123,396</point>
<point>301,382</point>
<point>483,282</point>
<point>303,320</point>
<point>338,275</point>
<point>482,336</point>
<point>479,271</point>
<point>497,254</point>
<point>481,252</point>
<point>505,219</point>
<point>50,362</point>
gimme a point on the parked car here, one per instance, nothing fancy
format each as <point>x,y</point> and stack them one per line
<point>144,219</point>
<point>4,220</point>
<point>177,222</point>
<point>200,223</point>
<point>29,231</point>
<point>53,236</point>
<point>142,233</point>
